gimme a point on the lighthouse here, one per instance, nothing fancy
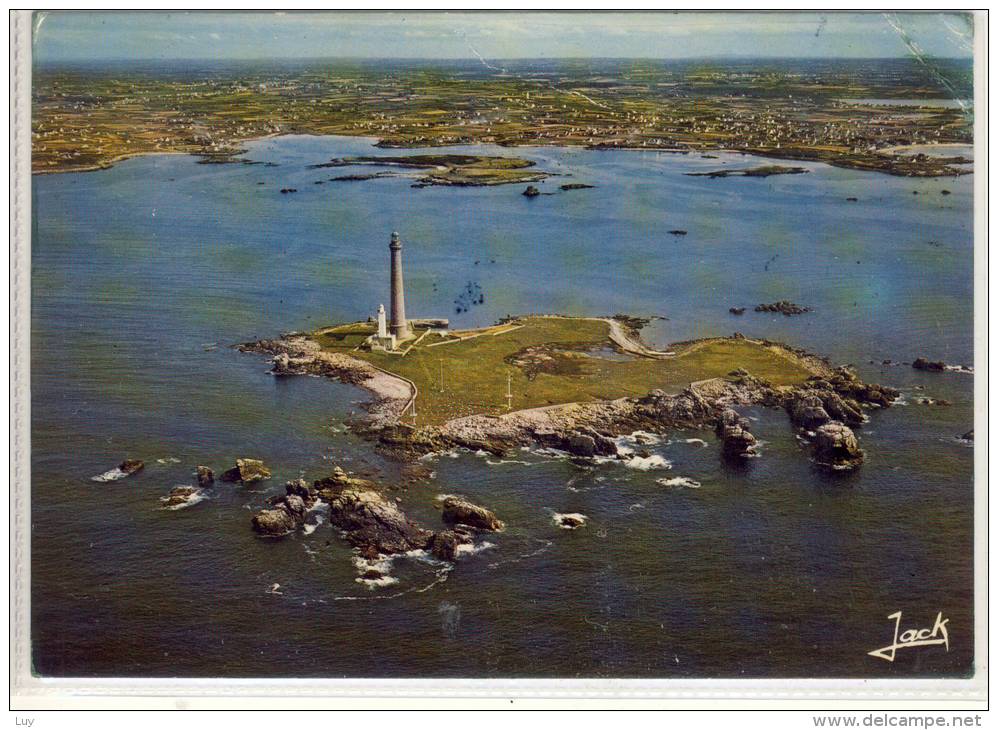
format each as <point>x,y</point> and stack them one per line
<point>399,326</point>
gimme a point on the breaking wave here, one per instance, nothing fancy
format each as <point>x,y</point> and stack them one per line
<point>679,482</point>
<point>111,475</point>
<point>559,520</point>
<point>198,496</point>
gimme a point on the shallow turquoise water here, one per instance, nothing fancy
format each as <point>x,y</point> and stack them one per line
<point>144,274</point>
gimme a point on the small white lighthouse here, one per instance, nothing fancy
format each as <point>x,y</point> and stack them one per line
<point>382,323</point>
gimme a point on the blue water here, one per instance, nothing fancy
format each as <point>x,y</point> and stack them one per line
<point>145,274</point>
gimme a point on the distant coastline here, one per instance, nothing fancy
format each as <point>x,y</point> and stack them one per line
<point>886,161</point>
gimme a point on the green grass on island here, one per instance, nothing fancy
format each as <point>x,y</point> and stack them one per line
<point>470,170</point>
<point>551,360</point>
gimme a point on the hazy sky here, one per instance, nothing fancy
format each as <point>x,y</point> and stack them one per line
<point>61,36</point>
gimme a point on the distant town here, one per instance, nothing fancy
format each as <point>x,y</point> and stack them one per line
<point>844,113</point>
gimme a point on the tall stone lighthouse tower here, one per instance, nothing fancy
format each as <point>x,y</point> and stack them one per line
<point>399,325</point>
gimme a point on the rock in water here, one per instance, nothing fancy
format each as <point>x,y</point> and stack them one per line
<point>807,410</point>
<point>460,512</point>
<point>584,442</point>
<point>179,495</point>
<point>835,445</point>
<point>733,430</point>
<point>288,514</point>
<point>570,521</point>
<point>531,192</point>
<point>289,510</point>
<point>374,524</point>
<point>301,488</point>
<point>736,310</point>
<point>783,307</point>
<point>969,436</point>
<point>206,477</point>
<point>124,469</point>
<point>131,466</point>
<point>932,365</point>
<point>246,471</point>
<point>444,544</point>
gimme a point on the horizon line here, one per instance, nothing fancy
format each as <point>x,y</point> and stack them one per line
<point>473,59</point>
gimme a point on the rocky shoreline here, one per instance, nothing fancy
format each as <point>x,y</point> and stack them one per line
<point>370,522</point>
<point>296,354</point>
<point>824,409</point>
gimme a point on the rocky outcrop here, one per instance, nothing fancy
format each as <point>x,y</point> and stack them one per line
<point>584,442</point>
<point>444,545</point>
<point>836,446</point>
<point>783,307</point>
<point>570,521</point>
<point>807,410</point>
<point>179,496</point>
<point>461,512</point>
<point>855,393</point>
<point>736,310</point>
<point>922,363</point>
<point>246,471</point>
<point>206,477</point>
<point>737,441</point>
<point>329,487</point>
<point>531,192</point>
<point>131,466</point>
<point>287,515</point>
<point>297,354</point>
<point>288,511</point>
<point>302,489</point>
<point>375,525</point>
<point>125,469</point>
<point>810,408</point>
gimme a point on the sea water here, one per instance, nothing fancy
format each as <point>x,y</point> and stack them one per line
<point>145,275</point>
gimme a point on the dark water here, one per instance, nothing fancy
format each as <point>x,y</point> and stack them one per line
<point>145,273</point>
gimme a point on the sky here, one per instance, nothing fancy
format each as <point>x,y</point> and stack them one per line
<point>76,36</point>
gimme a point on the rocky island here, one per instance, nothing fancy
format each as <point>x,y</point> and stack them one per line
<point>453,170</point>
<point>547,381</point>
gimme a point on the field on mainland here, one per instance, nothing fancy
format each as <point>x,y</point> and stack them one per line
<point>552,360</point>
<point>88,119</point>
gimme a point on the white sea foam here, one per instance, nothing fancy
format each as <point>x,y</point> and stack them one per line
<point>703,444</point>
<point>382,563</point>
<point>679,482</point>
<point>310,528</point>
<point>372,583</point>
<point>646,463</point>
<point>550,453</point>
<point>433,455</point>
<point>198,496</point>
<point>960,369</point>
<point>559,516</point>
<point>168,460</point>
<point>644,438</point>
<point>507,461</point>
<point>111,475</point>
<point>472,549</point>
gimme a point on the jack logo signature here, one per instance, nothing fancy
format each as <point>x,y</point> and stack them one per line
<point>910,638</point>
